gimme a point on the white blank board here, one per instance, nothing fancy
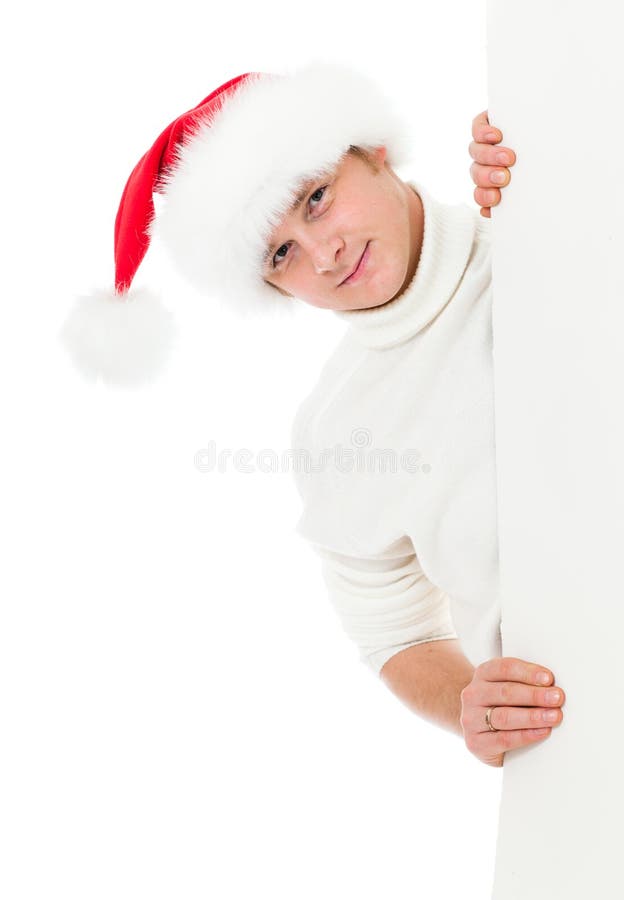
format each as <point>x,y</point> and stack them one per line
<point>556,83</point>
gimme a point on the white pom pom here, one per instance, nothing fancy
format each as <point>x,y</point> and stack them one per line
<point>123,339</point>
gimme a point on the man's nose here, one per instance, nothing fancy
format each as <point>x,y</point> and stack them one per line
<point>325,254</point>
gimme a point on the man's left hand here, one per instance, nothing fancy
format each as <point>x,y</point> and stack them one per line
<point>491,162</point>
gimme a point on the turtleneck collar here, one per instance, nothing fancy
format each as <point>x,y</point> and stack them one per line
<point>448,237</point>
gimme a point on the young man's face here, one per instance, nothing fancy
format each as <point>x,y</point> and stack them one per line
<point>357,215</point>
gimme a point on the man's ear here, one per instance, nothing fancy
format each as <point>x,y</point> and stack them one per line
<point>379,155</point>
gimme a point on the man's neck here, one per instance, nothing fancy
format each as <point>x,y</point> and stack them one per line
<point>417,227</point>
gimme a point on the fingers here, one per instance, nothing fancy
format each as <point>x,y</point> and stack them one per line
<point>521,688</point>
<point>489,744</point>
<point>483,131</point>
<point>487,155</point>
<point>510,693</point>
<point>511,718</point>
<point>485,177</point>
<point>510,668</point>
<point>514,705</point>
<point>490,165</point>
<point>487,197</point>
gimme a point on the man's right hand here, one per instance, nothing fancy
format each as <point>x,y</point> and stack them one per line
<point>520,703</point>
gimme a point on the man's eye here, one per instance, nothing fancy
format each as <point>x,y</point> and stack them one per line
<point>320,191</point>
<point>279,255</point>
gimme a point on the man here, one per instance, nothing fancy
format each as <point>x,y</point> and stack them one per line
<point>285,187</point>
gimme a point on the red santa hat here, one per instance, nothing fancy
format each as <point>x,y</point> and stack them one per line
<point>229,169</point>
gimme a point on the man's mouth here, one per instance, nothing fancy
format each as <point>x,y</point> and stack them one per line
<point>359,267</point>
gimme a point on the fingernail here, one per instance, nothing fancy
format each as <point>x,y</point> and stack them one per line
<point>491,136</point>
<point>543,678</point>
<point>498,178</point>
<point>503,158</point>
<point>553,696</point>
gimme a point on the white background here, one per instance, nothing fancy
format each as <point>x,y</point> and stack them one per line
<point>181,714</point>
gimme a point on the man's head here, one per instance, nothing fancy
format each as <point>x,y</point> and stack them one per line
<point>236,175</point>
<point>359,210</point>
<point>228,171</point>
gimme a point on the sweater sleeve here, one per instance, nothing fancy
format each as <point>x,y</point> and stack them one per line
<point>385,603</point>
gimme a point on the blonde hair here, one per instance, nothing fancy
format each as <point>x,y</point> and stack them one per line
<point>365,155</point>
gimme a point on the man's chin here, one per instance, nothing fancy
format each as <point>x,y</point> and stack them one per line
<point>376,302</point>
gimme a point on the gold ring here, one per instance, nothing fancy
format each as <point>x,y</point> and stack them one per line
<point>488,715</point>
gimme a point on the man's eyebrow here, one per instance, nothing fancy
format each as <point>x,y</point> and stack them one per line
<point>302,194</point>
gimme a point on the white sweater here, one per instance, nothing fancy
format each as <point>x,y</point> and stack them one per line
<point>408,541</point>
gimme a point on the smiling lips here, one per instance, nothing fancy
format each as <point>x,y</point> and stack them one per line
<point>359,268</point>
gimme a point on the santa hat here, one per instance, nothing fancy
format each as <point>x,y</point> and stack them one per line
<point>229,170</point>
